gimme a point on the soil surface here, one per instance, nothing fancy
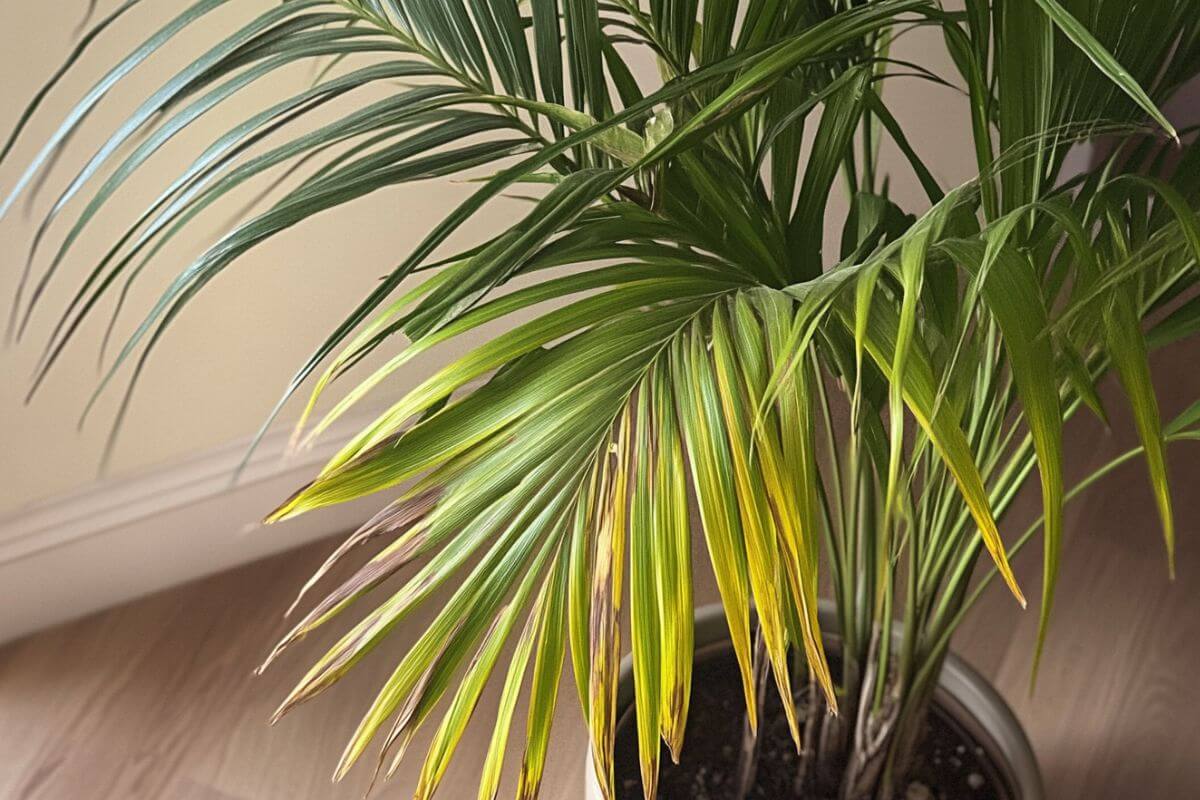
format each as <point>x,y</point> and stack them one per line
<point>951,766</point>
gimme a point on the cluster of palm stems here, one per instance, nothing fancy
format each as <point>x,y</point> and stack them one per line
<point>849,414</point>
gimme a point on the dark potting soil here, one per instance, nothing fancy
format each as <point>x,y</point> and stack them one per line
<point>950,765</point>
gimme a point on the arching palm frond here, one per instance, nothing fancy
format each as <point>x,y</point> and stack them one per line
<point>695,351</point>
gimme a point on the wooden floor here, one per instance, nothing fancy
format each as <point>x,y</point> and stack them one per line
<point>156,699</point>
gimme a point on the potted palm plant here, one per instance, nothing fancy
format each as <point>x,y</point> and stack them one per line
<point>846,415</point>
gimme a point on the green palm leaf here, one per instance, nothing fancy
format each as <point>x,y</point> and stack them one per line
<point>682,358</point>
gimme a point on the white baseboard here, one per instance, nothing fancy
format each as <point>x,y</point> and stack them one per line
<point>121,538</point>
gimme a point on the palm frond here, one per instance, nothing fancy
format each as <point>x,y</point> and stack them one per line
<point>678,338</point>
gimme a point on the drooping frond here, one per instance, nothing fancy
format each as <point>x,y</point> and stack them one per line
<point>688,354</point>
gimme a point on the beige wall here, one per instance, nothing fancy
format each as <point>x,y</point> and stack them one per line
<point>225,361</point>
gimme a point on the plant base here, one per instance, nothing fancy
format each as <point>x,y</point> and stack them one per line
<point>967,713</point>
<point>950,765</point>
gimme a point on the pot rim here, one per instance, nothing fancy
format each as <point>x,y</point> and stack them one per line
<point>962,693</point>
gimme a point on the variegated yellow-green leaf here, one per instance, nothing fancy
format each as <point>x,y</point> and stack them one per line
<point>493,765</point>
<point>791,474</point>
<point>1011,293</point>
<point>644,624</point>
<point>673,565</point>
<point>739,394</point>
<point>919,396</point>
<point>612,524</point>
<point>716,494</point>
<point>543,692</point>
